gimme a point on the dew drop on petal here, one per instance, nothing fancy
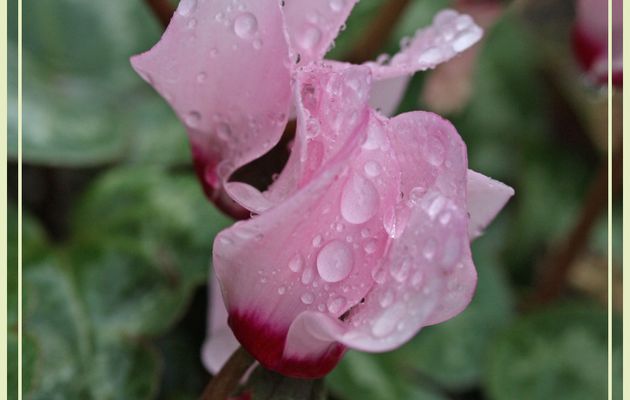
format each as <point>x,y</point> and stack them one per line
<point>359,200</point>
<point>307,276</point>
<point>201,77</point>
<point>307,298</point>
<point>335,261</point>
<point>336,304</point>
<point>428,251</point>
<point>386,299</point>
<point>245,25</point>
<point>466,39</point>
<point>387,321</point>
<point>310,38</point>
<point>417,279</point>
<point>296,263</point>
<point>336,5</point>
<point>372,169</point>
<point>282,290</point>
<point>193,118</point>
<point>257,44</point>
<point>186,7</point>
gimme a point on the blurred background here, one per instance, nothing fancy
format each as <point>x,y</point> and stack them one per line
<point>117,233</point>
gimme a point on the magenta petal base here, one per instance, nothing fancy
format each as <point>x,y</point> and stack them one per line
<point>266,343</point>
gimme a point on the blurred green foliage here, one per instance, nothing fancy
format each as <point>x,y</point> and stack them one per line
<point>103,306</point>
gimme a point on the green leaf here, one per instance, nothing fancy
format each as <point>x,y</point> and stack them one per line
<point>85,104</point>
<point>377,377</point>
<point>140,244</point>
<point>267,385</point>
<point>558,353</point>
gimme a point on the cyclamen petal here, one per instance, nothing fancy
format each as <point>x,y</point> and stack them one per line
<point>486,197</point>
<point>214,65</point>
<point>313,25</point>
<point>373,231</point>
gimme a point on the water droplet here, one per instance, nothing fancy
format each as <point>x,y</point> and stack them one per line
<point>451,251</point>
<point>335,261</point>
<point>193,118</point>
<point>428,251</point>
<point>466,39</point>
<point>370,247</point>
<point>257,44</point>
<point>192,23</point>
<point>382,58</point>
<point>336,304</point>
<point>416,194</point>
<point>434,151</point>
<point>201,77</point>
<point>225,240</point>
<point>307,276</point>
<point>417,279</point>
<point>463,21</point>
<point>245,25</point>
<point>445,218</point>
<point>307,298</point>
<point>186,7</point>
<point>339,227</point>
<point>435,206</point>
<point>310,38</point>
<point>321,307</point>
<point>379,274</point>
<point>296,263</point>
<point>430,56</point>
<point>386,299</point>
<point>400,270</point>
<point>213,52</point>
<point>372,168</point>
<point>359,200</point>
<point>387,321</point>
<point>336,5</point>
<point>317,241</point>
<point>224,132</point>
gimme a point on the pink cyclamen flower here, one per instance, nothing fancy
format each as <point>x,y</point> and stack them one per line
<point>590,40</point>
<point>364,238</point>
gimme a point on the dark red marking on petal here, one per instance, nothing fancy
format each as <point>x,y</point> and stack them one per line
<point>586,50</point>
<point>266,344</point>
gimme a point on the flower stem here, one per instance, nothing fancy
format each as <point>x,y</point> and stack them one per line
<point>162,10</point>
<point>223,384</point>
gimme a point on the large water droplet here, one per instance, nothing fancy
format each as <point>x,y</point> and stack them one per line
<point>307,298</point>
<point>359,200</point>
<point>186,7</point>
<point>296,263</point>
<point>245,25</point>
<point>335,261</point>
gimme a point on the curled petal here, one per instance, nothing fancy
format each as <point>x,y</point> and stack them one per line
<point>208,67</point>
<point>450,34</point>
<point>486,197</point>
<point>368,240</point>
